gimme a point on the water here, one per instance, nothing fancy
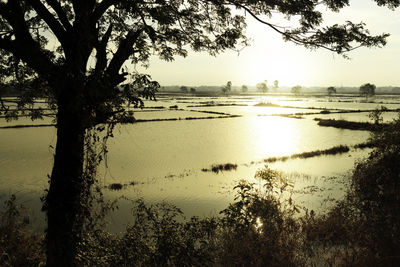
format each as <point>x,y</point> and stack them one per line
<point>164,159</point>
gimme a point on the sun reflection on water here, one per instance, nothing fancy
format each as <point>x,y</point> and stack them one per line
<point>274,136</point>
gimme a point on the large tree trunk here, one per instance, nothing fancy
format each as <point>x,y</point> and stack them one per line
<point>63,203</point>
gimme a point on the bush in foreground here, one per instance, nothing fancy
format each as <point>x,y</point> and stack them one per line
<point>19,246</point>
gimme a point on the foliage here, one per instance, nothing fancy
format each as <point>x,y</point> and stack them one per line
<point>331,90</point>
<point>74,54</point>
<point>244,88</point>
<point>367,90</point>
<point>19,246</point>
<point>258,228</point>
<point>255,229</point>
<point>158,236</point>
<point>351,125</point>
<point>367,221</point>
<point>227,88</point>
<point>276,85</point>
<point>296,90</point>
<point>376,115</point>
<point>262,87</point>
<point>183,89</point>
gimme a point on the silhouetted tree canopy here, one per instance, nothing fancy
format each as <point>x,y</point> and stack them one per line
<point>184,89</point>
<point>331,90</point>
<point>296,90</point>
<point>276,85</point>
<point>227,88</point>
<point>367,90</point>
<point>74,53</point>
<point>262,87</point>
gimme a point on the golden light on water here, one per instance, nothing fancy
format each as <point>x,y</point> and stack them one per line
<point>277,136</point>
<point>272,135</point>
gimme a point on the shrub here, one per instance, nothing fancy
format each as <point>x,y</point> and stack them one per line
<point>258,229</point>
<point>367,221</point>
<point>19,246</point>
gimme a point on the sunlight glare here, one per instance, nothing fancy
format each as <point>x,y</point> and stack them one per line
<point>273,136</point>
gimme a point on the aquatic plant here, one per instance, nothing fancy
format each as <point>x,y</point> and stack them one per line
<point>350,125</point>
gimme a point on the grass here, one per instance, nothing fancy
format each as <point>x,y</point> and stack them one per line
<point>216,168</point>
<point>115,186</point>
<point>187,118</point>
<point>217,105</point>
<point>27,126</point>
<point>330,151</point>
<point>290,116</point>
<point>350,125</point>
<point>267,104</point>
<point>368,144</point>
<point>210,112</point>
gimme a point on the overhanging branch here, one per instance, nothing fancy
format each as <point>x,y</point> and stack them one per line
<point>50,20</point>
<point>124,50</point>
<point>60,13</point>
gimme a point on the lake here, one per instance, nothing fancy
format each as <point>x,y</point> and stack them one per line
<point>163,160</point>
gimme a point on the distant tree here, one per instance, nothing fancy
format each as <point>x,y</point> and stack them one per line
<point>367,90</point>
<point>244,88</point>
<point>331,90</point>
<point>276,85</point>
<point>296,90</point>
<point>184,89</point>
<point>227,88</point>
<point>192,90</point>
<point>262,87</point>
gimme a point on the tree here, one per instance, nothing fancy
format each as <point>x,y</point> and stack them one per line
<point>244,88</point>
<point>276,85</point>
<point>331,90</point>
<point>367,90</point>
<point>376,115</point>
<point>227,87</point>
<point>296,90</point>
<point>262,87</point>
<point>73,53</point>
<point>184,89</point>
<point>192,90</point>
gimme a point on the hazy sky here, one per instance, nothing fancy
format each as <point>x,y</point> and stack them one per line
<point>270,58</point>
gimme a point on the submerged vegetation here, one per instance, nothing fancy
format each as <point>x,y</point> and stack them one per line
<point>267,104</point>
<point>221,167</point>
<point>350,125</point>
<point>330,151</point>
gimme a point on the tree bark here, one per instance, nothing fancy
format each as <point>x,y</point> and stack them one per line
<point>63,203</point>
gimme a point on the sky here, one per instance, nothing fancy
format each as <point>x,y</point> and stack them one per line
<point>270,58</point>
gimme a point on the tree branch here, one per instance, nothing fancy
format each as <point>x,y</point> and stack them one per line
<point>83,9</point>
<point>60,13</point>
<point>7,44</point>
<point>102,8</point>
<point>124,50</point>
<point>101,55</point>
<point>50,20</point>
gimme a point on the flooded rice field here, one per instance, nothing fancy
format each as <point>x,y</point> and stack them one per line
<point>164,157</point>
